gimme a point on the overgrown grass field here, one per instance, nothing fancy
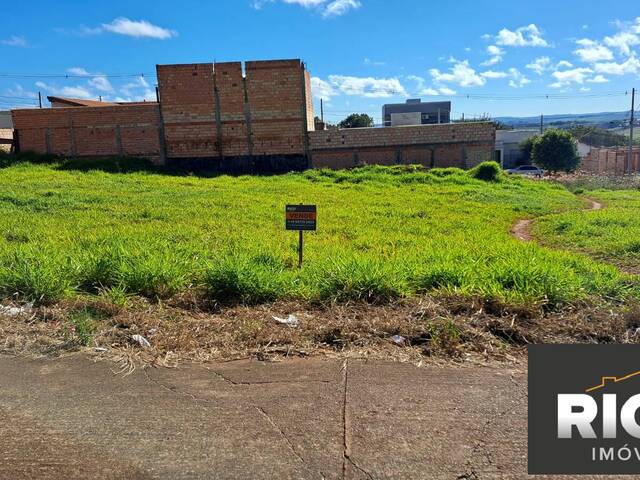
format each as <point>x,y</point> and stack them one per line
<point>611,234</point>
<point>383,233</point>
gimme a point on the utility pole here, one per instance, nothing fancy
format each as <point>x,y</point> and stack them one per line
<point>321,110</point>
<point>541,124</point>
<point>633,107</point>
<point>40,99</point>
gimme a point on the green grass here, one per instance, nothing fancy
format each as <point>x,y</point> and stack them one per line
<point>612,234</point>
<point>383,233</point>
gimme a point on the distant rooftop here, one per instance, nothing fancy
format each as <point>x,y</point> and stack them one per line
<point>81,102</point>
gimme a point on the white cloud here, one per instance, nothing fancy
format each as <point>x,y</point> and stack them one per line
<point>564,64</point>
<point>15,41</point>
<point>592,51</point>
<point>77,91</point>
<point>101,84</point>
<point>623,41</point>
<point>339,7</point>
<point>423,90</point>
<point>446,91</point>
<point>496,55</point>
<point>78,71</point>
<point>321,88</point>
<point>492,74</point>
<point>327,8</point>
<point>598,79</point>
<point>461,74</point>
<point>132,28</point>
<point>518,80</point>
<point>529,36</point>
<point>631,66</point>
<point>627,37</point>
<point>306,3</point>
<point>567,77</point>
<point>432,92</point>
<point>130,89</point>
<point>367,86</point>
<point>539,65</point>
<point>373,63</point>
<point>19,91</point>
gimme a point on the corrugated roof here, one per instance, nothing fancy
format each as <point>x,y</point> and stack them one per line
<point>79,102</point>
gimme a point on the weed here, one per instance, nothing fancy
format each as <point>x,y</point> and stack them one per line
<point>84,324</point>
<point>383,233</point>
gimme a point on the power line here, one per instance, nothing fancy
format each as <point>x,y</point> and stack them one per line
<point>11,97</point>
<point>69,75</point>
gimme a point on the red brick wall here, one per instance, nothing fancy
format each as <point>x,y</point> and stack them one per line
<point>188,109</point>
<point>378,156</point>
<point>230,90</point>
<point>611,161</point>
<point>337,159</point>
<point>311,124</point>
<point>273,122</point>
<point>417,156</point>
<point>461,145</point>
<point>275,92</point>
<point>131,130</point>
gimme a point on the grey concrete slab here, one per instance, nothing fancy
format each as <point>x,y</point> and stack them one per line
<point>72,418</point>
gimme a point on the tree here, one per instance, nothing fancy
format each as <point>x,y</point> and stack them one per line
<point>356,120</point>
<point>526,147</point>
<point>556,150</point>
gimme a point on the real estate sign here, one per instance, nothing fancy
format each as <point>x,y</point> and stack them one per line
<point>301,217</point>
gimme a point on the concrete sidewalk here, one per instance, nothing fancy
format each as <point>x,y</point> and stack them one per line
<point>71,418</point>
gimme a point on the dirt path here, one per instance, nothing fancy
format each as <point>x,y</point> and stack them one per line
<point>521,230</point>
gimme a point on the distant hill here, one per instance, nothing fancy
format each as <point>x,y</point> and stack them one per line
<point>608,120</point>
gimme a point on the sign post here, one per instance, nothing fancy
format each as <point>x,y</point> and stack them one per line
<point>301,218</point>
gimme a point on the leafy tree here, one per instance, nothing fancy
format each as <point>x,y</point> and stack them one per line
<point>556,150</point>
<point>526,147</point>
<point>357,120</point>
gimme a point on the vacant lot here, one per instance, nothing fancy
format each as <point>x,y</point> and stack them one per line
<point>149,242</point>
<point>383,234</point>
<point>611,234</point>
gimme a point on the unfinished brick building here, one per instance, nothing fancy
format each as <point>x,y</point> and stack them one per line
<point>612,161</point>
<point>259,118</point>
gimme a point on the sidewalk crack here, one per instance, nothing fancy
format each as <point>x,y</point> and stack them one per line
<point>346,427</point>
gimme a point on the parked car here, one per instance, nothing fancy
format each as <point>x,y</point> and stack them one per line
<point>530,170</point>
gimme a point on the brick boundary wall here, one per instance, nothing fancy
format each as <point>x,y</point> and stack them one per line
<point>462,145</point>
<point>610,161</point>
<point>215,115</point>
<point>215,111</point>
<point>132,130</point>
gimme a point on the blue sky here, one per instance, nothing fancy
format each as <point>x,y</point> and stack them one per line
<point>498,57</point>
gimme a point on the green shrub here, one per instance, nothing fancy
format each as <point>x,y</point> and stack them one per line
<point>487,171</point>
